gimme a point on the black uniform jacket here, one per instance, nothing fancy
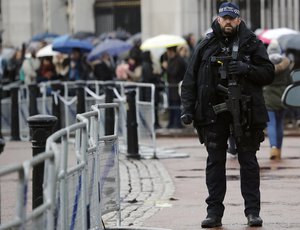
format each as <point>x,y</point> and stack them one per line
<point>198,90</point>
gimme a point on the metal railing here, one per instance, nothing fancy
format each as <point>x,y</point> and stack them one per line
<point>41,216</point>
<point>63,96</point>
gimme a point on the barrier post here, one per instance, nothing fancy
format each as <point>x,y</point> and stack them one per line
<point>56,111</point>
<point>132,137</point>
<point>41,127</point>
<point>80,96</point>
<point>109,112</point>
<point>0,110</point>
<point>33,93</point>
<point>15,126</point>
<point>2,144</point>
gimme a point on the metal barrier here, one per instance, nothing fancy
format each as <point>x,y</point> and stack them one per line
<point>5,116</point>
<point>66,98</point>
<point>103,165</point>
<point>24,217</point>
<point>22,108</point>
<point>70,201</point>
<point>81,182</point>
<point>145,114</point>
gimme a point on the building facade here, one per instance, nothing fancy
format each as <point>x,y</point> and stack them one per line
<point>20,20</point>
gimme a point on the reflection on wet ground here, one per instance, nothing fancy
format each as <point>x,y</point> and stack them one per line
<point>274,166</point>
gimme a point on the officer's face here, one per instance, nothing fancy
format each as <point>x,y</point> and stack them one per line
<point>228,24</point>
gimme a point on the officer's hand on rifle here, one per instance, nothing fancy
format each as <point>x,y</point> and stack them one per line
<point>238,67</point>
<point>187,118</point>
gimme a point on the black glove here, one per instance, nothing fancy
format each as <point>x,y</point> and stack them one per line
<point>238,67</point>
<point>187,118</point>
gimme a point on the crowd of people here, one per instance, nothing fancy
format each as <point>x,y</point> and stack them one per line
<point>134,65</point>
<point>139,66</point>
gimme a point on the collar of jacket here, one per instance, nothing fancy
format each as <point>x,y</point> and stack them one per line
<point>243,34</point>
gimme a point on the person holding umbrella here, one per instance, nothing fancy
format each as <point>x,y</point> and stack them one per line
<point>175,69</point>
<point>272,96</point>
<point>135,68</point>
<point>62,65</point>
<point>12,64</point>
<point>29,68</point>
<point>103,68</point>
<point>78,68</point>
<point>46,71</point>
<point>150,76</point>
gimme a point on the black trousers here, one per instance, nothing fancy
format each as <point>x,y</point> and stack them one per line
<point>215,137</point>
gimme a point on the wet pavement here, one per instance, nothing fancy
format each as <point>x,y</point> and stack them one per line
<point>170,192</point>
<point>280,188</point>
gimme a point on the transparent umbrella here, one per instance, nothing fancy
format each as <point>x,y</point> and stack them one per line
<point>46,51</point>
<point>162,41</point>
<point>268,35</point>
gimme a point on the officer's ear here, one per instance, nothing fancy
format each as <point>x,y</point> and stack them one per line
<point>239,20</point>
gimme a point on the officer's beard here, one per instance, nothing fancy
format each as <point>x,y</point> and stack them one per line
<point>229,31</point>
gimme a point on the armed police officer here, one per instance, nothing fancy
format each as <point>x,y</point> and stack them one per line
<point>221,94</point>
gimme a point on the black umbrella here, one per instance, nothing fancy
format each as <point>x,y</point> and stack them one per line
<point>118,34</point>
<point>122,34</point>
<point>81,35</point>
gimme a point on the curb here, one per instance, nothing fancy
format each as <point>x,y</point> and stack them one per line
<point>136,228</point>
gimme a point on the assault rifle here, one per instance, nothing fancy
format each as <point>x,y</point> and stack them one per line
<point>237,104</point>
